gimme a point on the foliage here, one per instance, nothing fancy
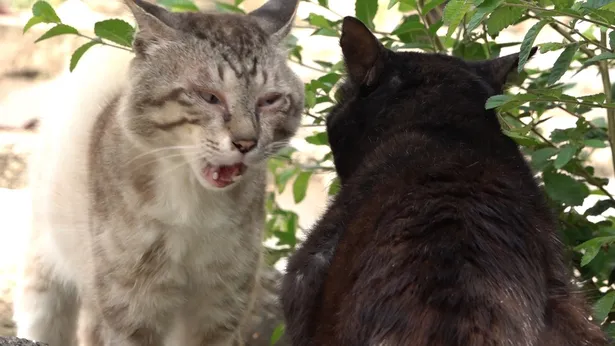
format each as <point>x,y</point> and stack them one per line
<point>468,29</point>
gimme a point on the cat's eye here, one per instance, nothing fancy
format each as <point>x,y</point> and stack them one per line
<point>210,98</point>
<point>269,100</point>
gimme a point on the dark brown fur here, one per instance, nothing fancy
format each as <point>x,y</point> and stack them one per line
<point>439,236</point>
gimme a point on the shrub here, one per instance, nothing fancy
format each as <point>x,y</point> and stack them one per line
<point>468,28</point>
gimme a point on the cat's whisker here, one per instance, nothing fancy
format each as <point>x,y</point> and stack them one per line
<point>175,147</point>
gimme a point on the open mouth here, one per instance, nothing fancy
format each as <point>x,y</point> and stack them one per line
<point>223,176</point>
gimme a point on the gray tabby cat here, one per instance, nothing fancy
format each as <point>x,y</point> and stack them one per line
<point>149,189</point>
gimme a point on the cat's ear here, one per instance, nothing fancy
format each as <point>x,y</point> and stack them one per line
<point>363,53</point>
<point>497,71</point>
<point>152,25</point>
<point>276,17</point>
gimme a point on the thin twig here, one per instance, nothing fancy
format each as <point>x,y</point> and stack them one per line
<point>103,42</point>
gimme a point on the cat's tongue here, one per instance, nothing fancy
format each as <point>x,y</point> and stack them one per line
<point>222,176</point>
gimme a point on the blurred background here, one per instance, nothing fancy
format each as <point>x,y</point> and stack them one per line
<point>33,74</point>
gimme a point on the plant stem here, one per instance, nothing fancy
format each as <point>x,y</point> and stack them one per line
<point>610,113</point>
<point>528,5</point>
<point>103,42</point>
<point>569,37</point>
<point>435,41</point>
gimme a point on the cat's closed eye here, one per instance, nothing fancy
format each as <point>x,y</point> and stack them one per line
<point>270,101</point>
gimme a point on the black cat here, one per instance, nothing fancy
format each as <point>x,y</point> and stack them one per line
<point>439,235</point>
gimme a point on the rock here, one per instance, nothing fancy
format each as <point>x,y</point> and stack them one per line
<point>13,341</point>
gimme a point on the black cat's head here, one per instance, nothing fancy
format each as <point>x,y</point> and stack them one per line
<point>386,92</point>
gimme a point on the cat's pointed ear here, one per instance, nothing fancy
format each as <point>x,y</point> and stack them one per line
<point>276,17</point>
<point>496,71</point>
<point>152,22</point>
<point>363,53</point>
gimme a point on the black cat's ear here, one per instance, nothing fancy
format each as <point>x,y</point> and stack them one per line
<point>363,53</point>
<point>497,71</point>
<point>153,24</point>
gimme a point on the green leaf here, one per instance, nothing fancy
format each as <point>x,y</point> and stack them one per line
<point>79,53</point>
<point>431,5</point>
<point>595,143</point>
<point>562,63</point>
<point>365,11</point>
<point>596,4</point>
<point>319,21</point>
<point>502,18</point>
<point>551,46</point>
<point>600,207</point>
<point>32,22</point>
<point>528,42</point>
<point>392,3</point>
<point>565,189</point>
<point>335,186</point>
<point>600,57</point>
<point>603,306</point>
<point>562,4</point>
<point>45,12</point>
<point>592,247</point>
<point>318,139</point>
<point>566,154</point>
<point>454,12</point>
<point>411,23</point>
<point>324,3</point>
<point>224,7</point>
<point>59,29</point>
<point>179,5</point>
<point>497,100</point>
<point>485,8</point>
<point>115,30</point>
<point>277,333</point>
<point>300,186</point>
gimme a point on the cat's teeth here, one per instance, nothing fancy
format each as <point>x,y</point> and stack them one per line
<point>216,175</point>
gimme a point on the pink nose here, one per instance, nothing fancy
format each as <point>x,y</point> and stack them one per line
<point>244,146</point>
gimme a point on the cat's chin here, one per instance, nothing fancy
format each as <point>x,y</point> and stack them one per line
<point>220,177</point>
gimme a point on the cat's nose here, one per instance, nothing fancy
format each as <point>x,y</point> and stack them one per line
<point>245,146</point>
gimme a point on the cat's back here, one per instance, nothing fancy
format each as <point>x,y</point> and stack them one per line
<point>58,174</point>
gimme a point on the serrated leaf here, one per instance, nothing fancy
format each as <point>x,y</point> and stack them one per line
<point>528,43</point>
<point>365,11</point>
<point>600,57</point>
<point>592,247</point>
<point>335,187</point>
<point>551,46</point>
<point>79,53</point>
<point>454,12</point>
<point>115,30</point>
<point>502,18</point>
<point>300,186</point>
<point>45,12</point>
<point>32,22</point>
<point>595,143</point>
<point>179,5</point>
<point>224,7</point>
<point>562,4</point>
<point>488,6</point>
<point>497,101</point>
<point>277,333</point>
<point>596,4</point>
<point>562,63</point>
<point>319,21</point>
<point>564,156</point>
<point>431,5</point>
<point>600,207</point>
<point>565,189</point>
<point>603,306</point>
<point>318,139</point>
<point>59,29</point>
